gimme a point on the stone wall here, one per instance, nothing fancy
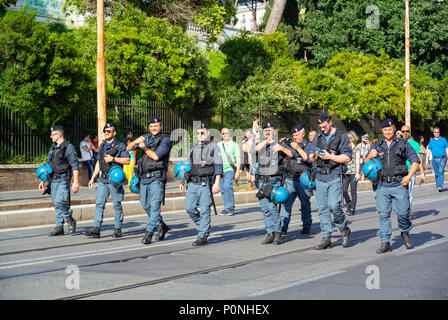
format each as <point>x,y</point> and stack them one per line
<point>14,177</point>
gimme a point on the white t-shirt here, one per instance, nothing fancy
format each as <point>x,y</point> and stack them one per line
<point>85,155</point>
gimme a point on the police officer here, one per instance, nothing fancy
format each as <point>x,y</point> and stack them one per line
<point>392,191</point>
<point>151,171</point>
<point>331,150</point>
<point>271,155</point>
<point>64,163</point>
<point>111,153</point>
<point>293,168</point>
<point>205,160</point>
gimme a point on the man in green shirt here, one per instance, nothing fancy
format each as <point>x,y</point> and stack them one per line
<point>406,134</point>
<point>231,162</point>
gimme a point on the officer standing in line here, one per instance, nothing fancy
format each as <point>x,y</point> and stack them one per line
<point>111,153</point>
<point>64,162</point>
<point>293,168</point>
<point>205,160</point>
<point>151,171</point>
<point>392,191</point>
<point>332,150</point>
<point>271,155</point>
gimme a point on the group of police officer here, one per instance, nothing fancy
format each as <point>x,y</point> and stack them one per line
<point>285,170</point>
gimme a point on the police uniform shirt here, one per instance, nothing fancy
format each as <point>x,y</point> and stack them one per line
<point>411,156</point>
<point>344,148</point>
<point>280,155</point>
<point>70,154</point>
<point>121,153</point>
<point>162,151</point>
<point>215,153</point>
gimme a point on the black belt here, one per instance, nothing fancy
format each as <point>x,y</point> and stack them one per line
<point>268,178</point>
<point>198,179</point>
<point>293,174</point>
<point>325,170</point>
<point>392,179</point>
<point>153,174</point>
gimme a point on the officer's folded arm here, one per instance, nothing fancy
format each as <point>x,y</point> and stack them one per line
<point>124,161</point>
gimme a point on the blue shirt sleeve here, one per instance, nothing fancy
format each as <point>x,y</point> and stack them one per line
<point>122,153</point>
<point>164,148</point>
<point>295,154</point>
<point>72,158</point>
<point>217,159</point>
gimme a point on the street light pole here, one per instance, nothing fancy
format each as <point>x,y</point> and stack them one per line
<point>407,58</point>
<point>100,72</point>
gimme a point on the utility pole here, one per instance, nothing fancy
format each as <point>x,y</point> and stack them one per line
<point>407,100</point>
<point>100,72</point>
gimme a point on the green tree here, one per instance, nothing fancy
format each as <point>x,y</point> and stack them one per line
<point>330,26</point>
<point>42,74</point>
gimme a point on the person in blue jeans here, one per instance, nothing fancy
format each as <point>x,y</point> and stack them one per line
<point>151,170</point>
<point>231,162</point>
<point>112,152</point>
<point>392,191</point>
<point>203,181</point>
<point>64,162</point>
<point>293,168</point>
<point>271,155</point>
<point>330,150</point>
<point>438,146</point>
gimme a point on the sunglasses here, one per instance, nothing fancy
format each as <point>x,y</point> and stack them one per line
<point>108,131</point>
<point>224,133</point>
<point>405,131</point>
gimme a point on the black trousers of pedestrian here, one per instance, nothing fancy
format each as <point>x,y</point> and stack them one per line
<point>348,181</point>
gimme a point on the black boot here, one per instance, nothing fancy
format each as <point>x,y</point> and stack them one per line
<point>162,230</point>
<point>58,231</point>
<point>269,239</point>
<point>147,238</point>
<point>305,230</point>
<point>385,247</point>
<point>407,240</point>
<point>345,235</point>
<point>93,233</point>
<point>277,238</point>
<point>324,244</point>
<point>117,233</point>
<point>284,231</point>
<point>72,226</point>
<point>200,242</point>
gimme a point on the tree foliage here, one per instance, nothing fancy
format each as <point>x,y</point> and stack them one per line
<point>330,26</point>
<point>42,72</point>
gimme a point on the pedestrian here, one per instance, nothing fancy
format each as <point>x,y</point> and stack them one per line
<point>111,153</point>
<point>392,191</point>
<point>64,163</point>
<point>86,148</point>
<point>203,181</point>
<point>129,168</point>
<point>406,133</point>
<point>246,158</point>
<point>311,135</point>
<point>293,169</point>
<point>256,128</point>
<point>95,150</point>
<point>128,134</point>
<point>231,163</point>
<point>330,150</point>
<point>271,155</point>
<point>352,175</point>
<point>364,148</point>
<point>438,150</point>
<point>151,171</point>
<point>422,153</point>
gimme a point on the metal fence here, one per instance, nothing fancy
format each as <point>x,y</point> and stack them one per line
<point>20,142</point>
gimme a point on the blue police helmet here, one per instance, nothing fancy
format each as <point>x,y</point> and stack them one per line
<point>134,184</point>
<point>305,181</point>
<point>279,195</point>
<point>117,176</point>
<point>43,171</point>
<point>371,169</point>
<point>181,168</point>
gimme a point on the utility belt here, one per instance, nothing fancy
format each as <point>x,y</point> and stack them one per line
<point>324,170</point>
<point>198,179</point>
<point>153,174</point>
<point>64,175</point>
<point>392,179</point>
<point>267,179</point>
<point>293,175</point>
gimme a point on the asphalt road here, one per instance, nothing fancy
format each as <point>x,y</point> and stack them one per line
<point>234,265</point>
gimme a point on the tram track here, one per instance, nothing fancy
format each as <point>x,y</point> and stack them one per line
<point>216,268</point>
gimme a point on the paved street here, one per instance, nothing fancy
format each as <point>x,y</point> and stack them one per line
<point>234,265</point>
